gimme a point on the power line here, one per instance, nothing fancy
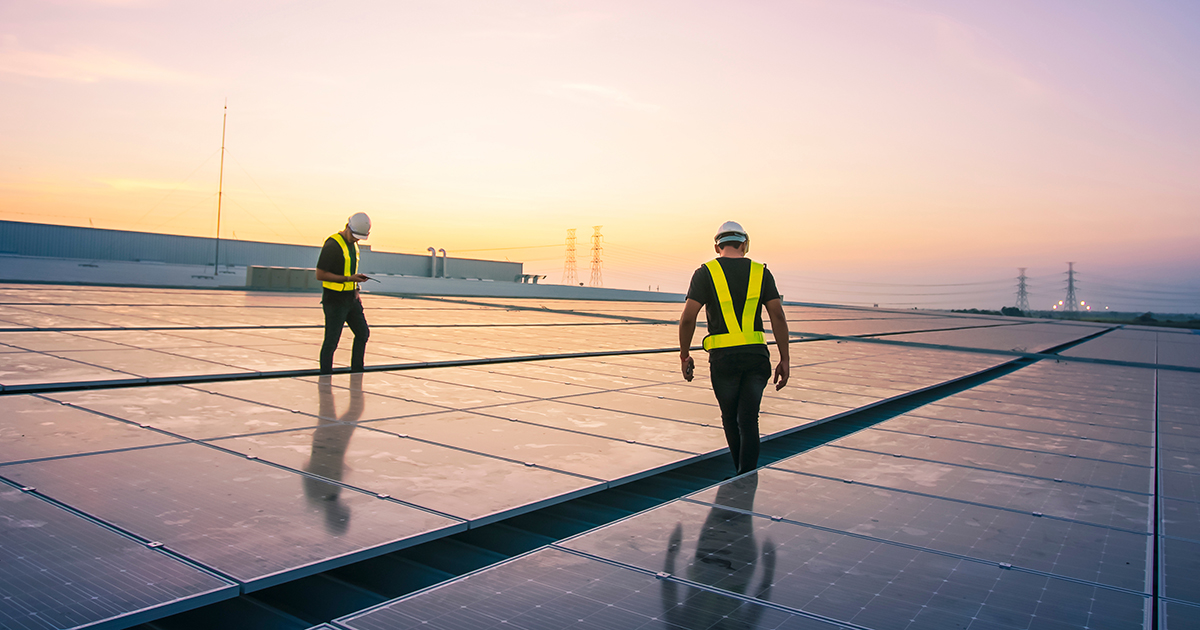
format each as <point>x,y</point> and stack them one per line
<point>502,249</point>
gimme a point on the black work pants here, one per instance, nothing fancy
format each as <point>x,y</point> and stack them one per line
<point>344,310</point>
<point>738,380</point>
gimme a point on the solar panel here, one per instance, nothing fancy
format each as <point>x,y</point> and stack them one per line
<point>554,589</point>
<point>32,368</point>
<point>950,410</point>
<point>1181,569</point>
<point>1097,506</point>
<point>58,570</point>
<point>681,432</point>
<point>1119,345</point>
<point>1074,550</point>
<point>411,386</point>
<point>1180,485</point>
<point>1178,348</point>
<point>1179,616</point>
<point>35,428</point>
<point>1029,506</point>
<point>577,453</point>
<point>849,578</point>
<point>1033,337</point>
<point>253,522</point>
<point>1045,440</point>
<point>186,411</point>
<point>1052,466</point>
<point>466,485</point>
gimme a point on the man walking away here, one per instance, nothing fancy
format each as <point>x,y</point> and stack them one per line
<point>733,289</point>
<point>337,269</point>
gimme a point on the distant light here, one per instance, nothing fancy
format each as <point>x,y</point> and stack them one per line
<point>1089,308</point>
<point>1106,308</point>
<point>1055,307</point>
<point>1081,302</point>
<point>1060,302</point>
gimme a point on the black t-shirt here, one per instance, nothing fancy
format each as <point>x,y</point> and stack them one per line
<point>334,262</point>
<point>737,274</point>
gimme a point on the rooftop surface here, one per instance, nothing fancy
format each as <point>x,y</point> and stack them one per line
<point>163,451</point>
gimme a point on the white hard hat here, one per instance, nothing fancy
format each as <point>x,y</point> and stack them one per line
<point>360,225</point>
<point>731,231</point>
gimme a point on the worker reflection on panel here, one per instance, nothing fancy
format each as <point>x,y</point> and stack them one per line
<point>726,555</point>
<point>328,458</point>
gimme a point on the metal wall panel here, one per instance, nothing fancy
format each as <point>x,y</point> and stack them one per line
<point>61,241</point>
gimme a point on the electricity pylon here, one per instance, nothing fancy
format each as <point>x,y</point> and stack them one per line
<point>569,276</point>
<point>1072,303</point>
<point>1022,292</point>
<point>597,279</point>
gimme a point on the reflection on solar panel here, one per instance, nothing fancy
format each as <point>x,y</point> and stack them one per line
<point>557,589</point>
<point>222,464</point>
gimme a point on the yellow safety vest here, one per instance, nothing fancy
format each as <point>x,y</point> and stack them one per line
<point>743,335</point>
<point>343,286</point>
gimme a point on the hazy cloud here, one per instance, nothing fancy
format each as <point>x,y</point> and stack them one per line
<point>599,94</point>
<point>83,66</point>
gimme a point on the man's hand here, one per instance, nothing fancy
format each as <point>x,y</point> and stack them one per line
<point>358,277</point>
<point>782,371</point>
<point>687,365</point>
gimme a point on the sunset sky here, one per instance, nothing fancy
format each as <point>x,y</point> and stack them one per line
<point>873,149</point>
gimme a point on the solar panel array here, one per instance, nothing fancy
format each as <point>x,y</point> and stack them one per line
<point>161,450</point>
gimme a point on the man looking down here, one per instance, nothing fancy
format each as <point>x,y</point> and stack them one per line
<point>337,269</point>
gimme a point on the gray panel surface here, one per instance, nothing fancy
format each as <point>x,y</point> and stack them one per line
<point>1040,441</point>
<point>1181,570</point>
<point>409,386</point>
<point>58,570</point>
<point>340,397</point>
<point>562,414</point>
<point>1119,345</point>
<point>553,589</point>
<point>1180,519</point>
<point>1141,436</point>
<point>1180,485</point>
<point>869,583</point>
<point>1097,506</point>
<point>1075,550</point>
<point>466,485</point>
<point>1003,459</point>
<point>243,518</point>
<point>1179,616</point>
<point>34,427</point>
<point>581,454</point>
<point>186,411</point>
<point>29,368</point>
<point>149,363</point>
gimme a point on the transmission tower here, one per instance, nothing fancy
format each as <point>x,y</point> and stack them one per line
<point>597,280</point>
<point>569,276</point>
<point>1072,303</point>
<point>1022,292</point>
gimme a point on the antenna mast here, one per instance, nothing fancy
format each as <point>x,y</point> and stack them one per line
<point>220,186</point>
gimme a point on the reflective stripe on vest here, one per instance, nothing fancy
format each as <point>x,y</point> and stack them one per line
<point>343,286</point>
<point>743,335</point>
